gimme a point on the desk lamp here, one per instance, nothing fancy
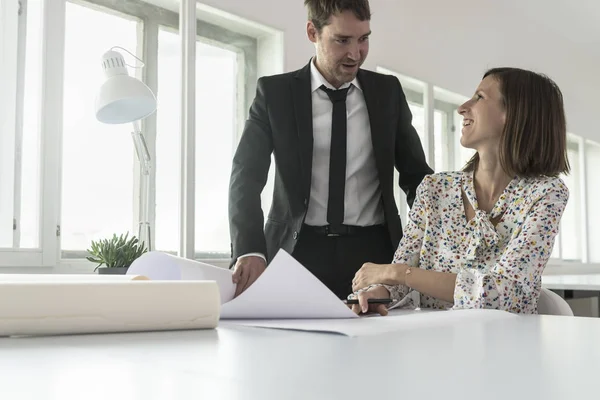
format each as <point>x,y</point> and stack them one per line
<point>125,99</point>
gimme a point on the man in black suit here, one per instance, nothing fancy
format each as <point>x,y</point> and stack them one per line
<point>336,131</point>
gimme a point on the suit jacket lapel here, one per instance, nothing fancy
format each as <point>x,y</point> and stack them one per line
<point>301,93</point>
<point>375,110</point>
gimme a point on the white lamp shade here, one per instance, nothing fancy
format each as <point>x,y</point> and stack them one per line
<point>122,98</point>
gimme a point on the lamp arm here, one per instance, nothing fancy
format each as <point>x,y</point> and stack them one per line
<point>145,164</point>
<point>141,148</point>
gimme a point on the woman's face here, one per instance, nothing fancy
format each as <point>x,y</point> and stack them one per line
<point>484,116</point>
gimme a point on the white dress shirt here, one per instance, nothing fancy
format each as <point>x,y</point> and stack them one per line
<point>362,191</point>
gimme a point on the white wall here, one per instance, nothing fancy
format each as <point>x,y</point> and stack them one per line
<point>451,43</point>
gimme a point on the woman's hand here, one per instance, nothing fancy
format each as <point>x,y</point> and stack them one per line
<point>370,274</point>
<point>363,305</point>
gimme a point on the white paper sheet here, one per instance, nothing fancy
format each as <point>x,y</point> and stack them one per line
<point>286,290</point>
<point>157,265</point>
<point>45,307</point>
<point>395,321</point>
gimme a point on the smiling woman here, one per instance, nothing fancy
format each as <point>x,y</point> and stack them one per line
<point>481,237</point>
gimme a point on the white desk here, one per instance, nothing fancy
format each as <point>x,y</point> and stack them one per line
<point>530,357</point>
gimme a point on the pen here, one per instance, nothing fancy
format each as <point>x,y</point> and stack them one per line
<point>370,301</point>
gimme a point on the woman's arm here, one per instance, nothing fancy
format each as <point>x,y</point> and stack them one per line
<point>396,276</point>
<point>408,252</point>
<point>512,283</point>
<point>439,285</point>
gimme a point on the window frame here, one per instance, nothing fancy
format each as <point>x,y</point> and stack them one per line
<point>577,143</point>
<point>10,25</point>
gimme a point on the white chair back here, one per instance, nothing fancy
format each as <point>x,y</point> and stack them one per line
<point>551,303</point>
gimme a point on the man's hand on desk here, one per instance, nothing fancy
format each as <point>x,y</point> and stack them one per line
<point>246,271</point>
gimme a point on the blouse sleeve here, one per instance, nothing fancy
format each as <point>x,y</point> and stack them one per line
<point>409,248</point>
<point>513,284</point>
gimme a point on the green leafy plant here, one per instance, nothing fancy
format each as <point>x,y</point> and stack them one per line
<point>115,252</point>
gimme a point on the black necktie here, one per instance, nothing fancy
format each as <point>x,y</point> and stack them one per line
<point>337,162</point>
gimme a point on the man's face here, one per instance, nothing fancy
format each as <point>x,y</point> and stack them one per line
<point>341,47</point>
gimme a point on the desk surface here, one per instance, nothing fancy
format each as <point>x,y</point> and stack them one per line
<point>572,282</point>
<point>530,357</point>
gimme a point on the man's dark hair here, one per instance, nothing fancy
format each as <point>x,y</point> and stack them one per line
<point>319,11</point>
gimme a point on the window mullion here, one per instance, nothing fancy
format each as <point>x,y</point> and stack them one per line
<point>583,203</point>
<point>187,34</point>
<point>429,145</point>
<point>20,104</point>
<point>53,54</point>
<point>449,137</point>
<point>149,125</point>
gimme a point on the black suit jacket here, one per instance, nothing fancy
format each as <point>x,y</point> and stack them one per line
<point>280,122</point>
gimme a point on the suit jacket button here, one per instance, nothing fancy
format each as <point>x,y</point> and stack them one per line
<point>295,235</point>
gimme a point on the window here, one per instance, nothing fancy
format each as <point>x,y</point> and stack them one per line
<point>97,159</point>
<point>20,139</point>
<point>439,143</point>
<point>592,157</point>
<point>442,137</point>
<point>450,155</point>
<point>81,181</point>
<point>28,215</point>
<point>168,147</point>
<point>570,227</point>
<point>220,81</point>
<point>9,26</point>
<point>217,94</point>
<point>439,126</point>
<point>418,121</point>
<point>216,109</point>
<point>556,249</point>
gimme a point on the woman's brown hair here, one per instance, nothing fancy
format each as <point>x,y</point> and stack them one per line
<point>534,139</point>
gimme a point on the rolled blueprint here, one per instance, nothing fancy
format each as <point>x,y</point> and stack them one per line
<point>47,307</point>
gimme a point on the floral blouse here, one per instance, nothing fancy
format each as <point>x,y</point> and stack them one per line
<point>497,267</point>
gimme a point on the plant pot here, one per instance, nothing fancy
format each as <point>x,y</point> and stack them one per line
<point>112,271</point>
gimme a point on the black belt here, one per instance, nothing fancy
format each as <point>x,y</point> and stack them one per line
<point>340,230</point>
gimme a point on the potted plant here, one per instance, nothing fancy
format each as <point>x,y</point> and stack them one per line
<point>116,254</point>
